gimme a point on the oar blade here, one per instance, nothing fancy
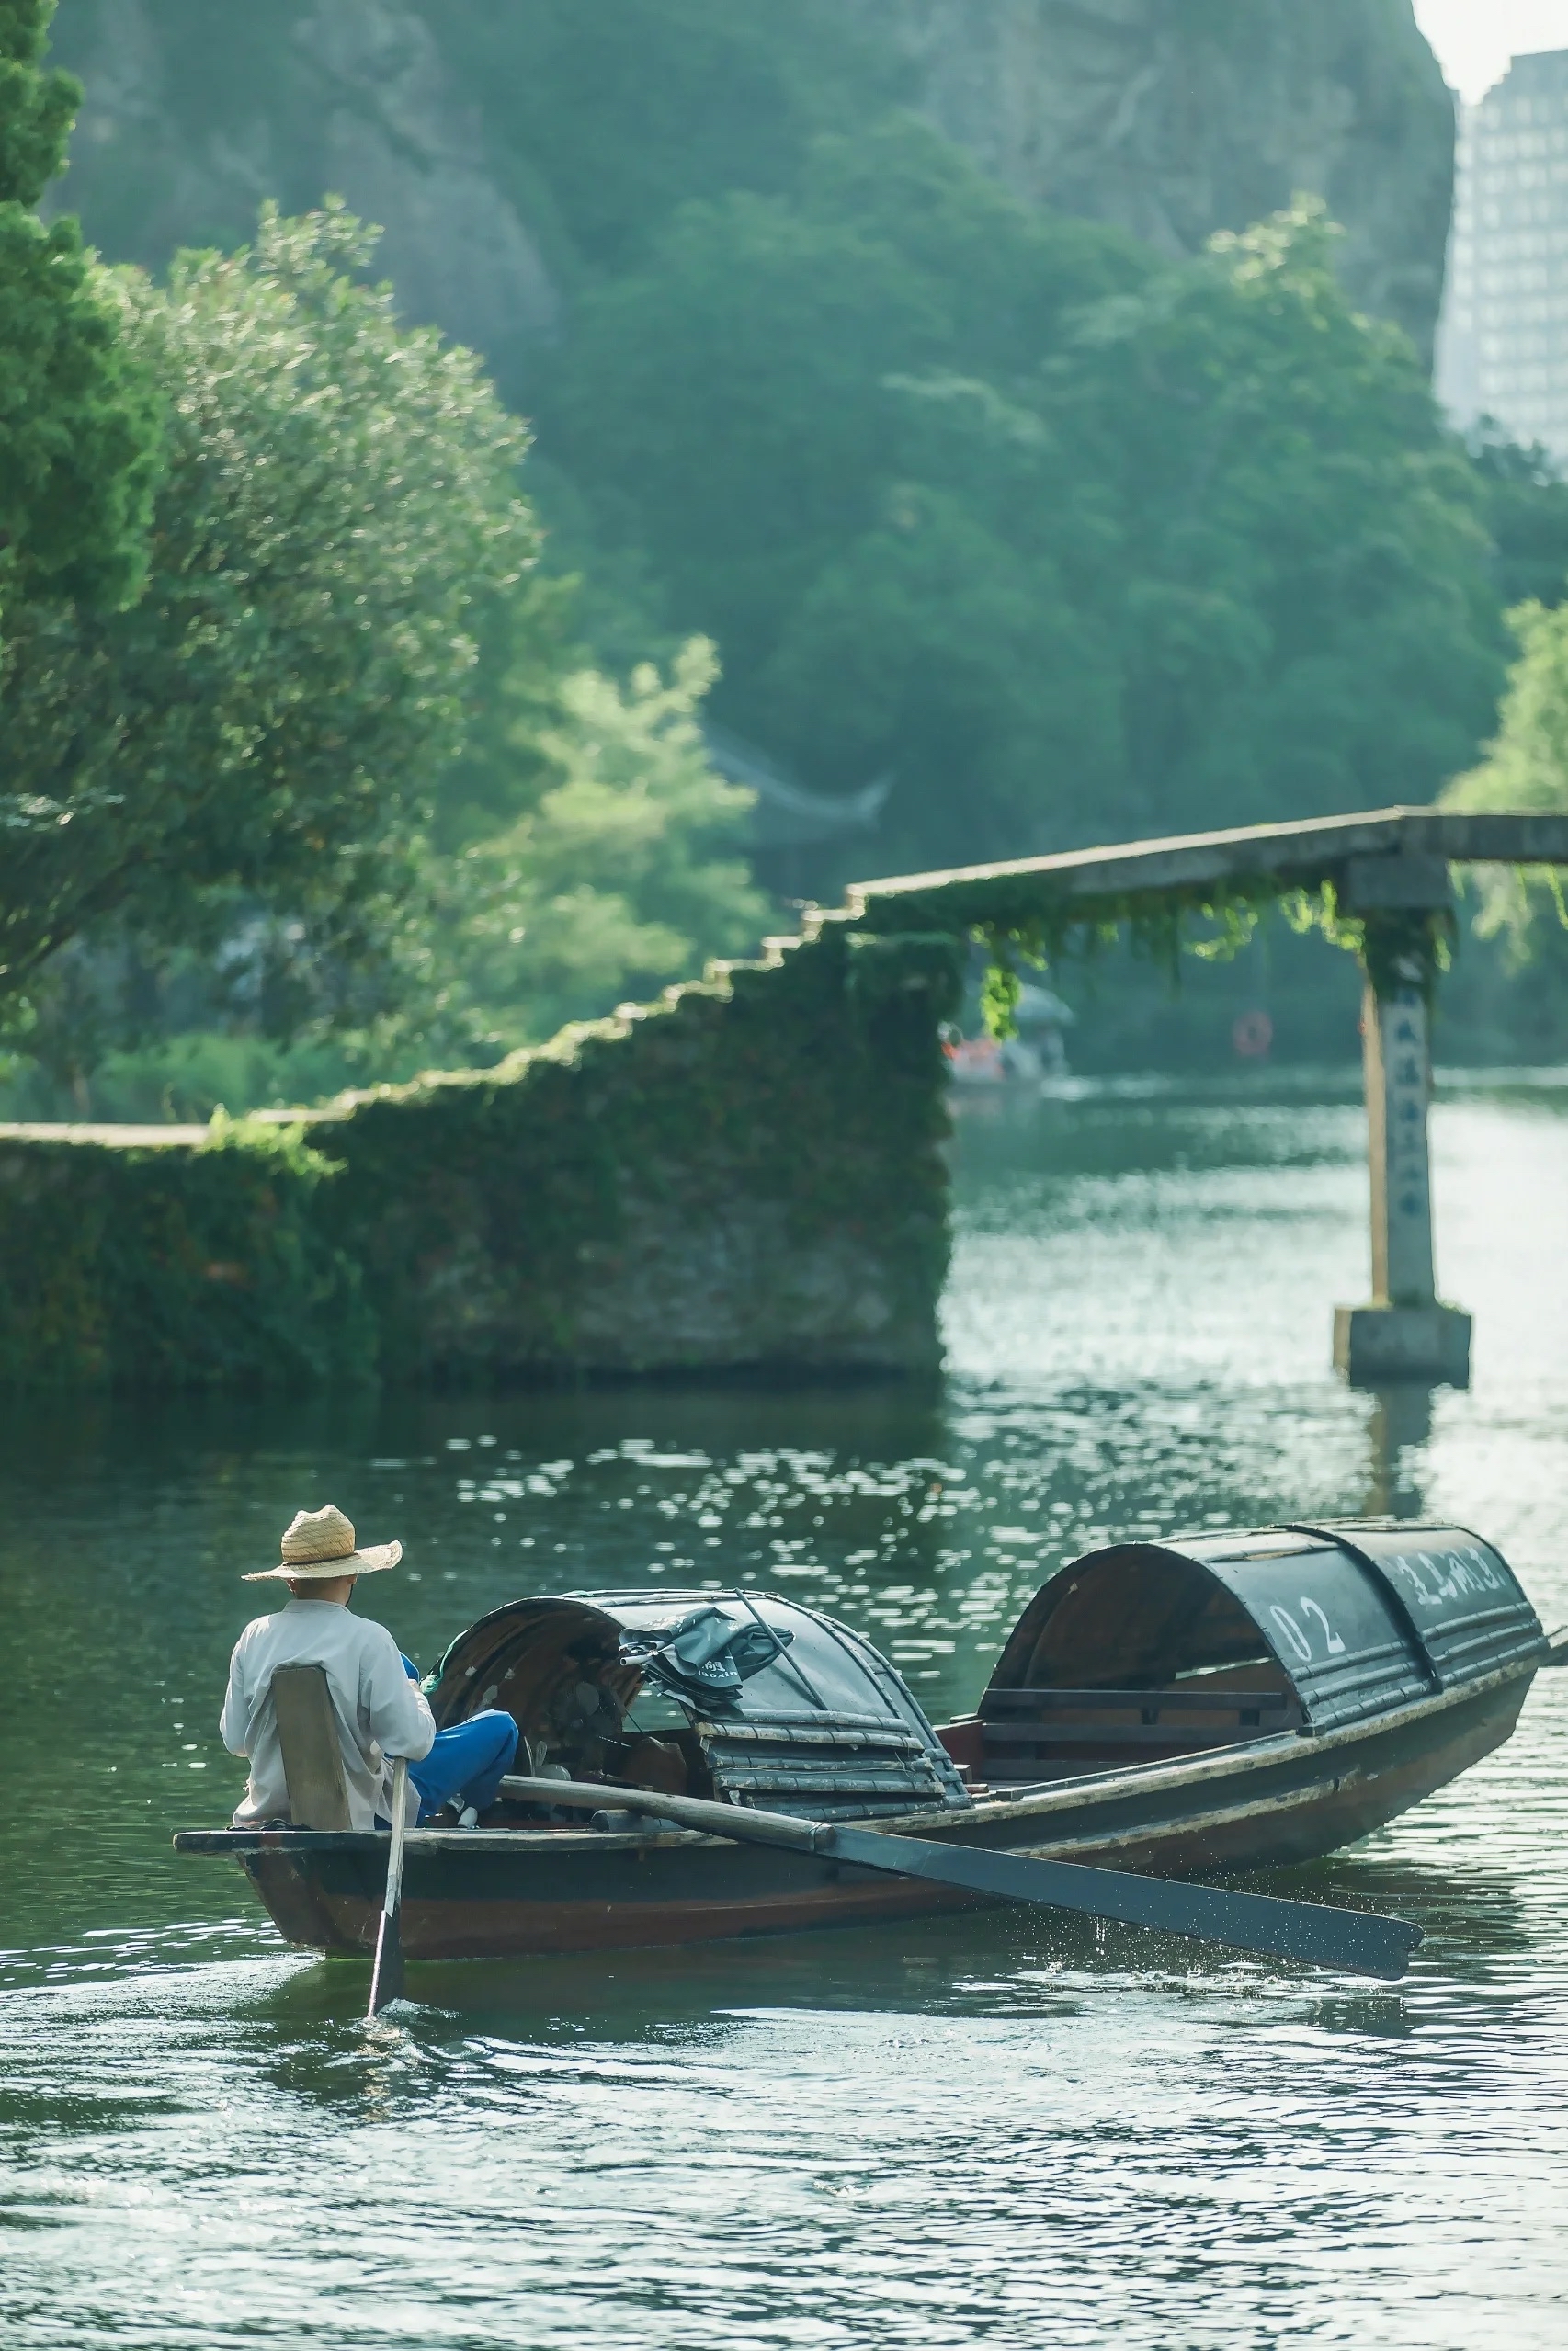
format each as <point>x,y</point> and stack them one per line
<point>386,1976</point>
<point>1352,1942</point>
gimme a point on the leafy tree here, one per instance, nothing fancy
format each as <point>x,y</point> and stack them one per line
<point>1073,543</point>
<point>728,403</point>
<point>934,646</point>
<point>1527,513</point>
<point>1301,598</point>
<point>724,406</point>
<point>1525,767</point>
<point>266,719</point>
<point>602,121</point>
<point>78,422</point>
<point>618,869</point>
<point>529,640</point>
<point>622,876</point>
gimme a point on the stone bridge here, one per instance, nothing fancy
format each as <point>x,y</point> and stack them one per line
<point>747,1175</point>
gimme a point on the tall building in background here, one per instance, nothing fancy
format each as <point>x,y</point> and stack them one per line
<point>1502,344</point>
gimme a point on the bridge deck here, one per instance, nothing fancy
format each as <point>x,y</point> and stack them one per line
<point>1306,853</point>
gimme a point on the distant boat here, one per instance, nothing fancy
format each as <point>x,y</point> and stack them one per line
<point>1212,1702</point>
<point>1037,1051</point>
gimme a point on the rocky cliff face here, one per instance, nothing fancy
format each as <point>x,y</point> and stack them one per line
<point>1176,118</point>
<point>1170,118</point>
<point>193,117</point>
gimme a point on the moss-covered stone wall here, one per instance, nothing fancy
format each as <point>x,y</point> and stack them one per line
<point>170,1266</point>
<point>747,1173</point>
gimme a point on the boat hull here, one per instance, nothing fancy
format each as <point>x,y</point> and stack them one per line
<point>511,1893</point>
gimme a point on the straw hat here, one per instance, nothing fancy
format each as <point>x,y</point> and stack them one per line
<point>318,1545</point>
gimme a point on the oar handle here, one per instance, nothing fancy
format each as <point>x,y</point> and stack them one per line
<point>386,1975</point>
<point>686,1812</point>
<point>399,1836</point>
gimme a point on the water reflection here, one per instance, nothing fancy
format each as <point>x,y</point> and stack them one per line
<point>1001,2128</point>
<point>1398,1426</point>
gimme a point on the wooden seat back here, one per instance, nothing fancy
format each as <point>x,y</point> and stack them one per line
<point>312,1757</point>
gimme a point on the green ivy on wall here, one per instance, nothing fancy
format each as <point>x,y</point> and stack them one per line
<point>485,1223</point>
<point>164,1266</point>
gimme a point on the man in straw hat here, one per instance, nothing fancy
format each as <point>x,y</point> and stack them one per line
<point>375,1696</point>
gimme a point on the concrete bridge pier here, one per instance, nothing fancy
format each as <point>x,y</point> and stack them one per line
<point>1405,1332</point>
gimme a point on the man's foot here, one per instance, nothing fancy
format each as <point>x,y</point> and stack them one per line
<point>468,1818</point>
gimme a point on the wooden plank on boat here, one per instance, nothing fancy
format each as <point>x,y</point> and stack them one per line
<point>313,1755</point>
<point>999,1702</point>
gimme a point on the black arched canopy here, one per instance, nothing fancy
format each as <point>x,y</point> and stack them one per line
<point>734,1693</point>
<point>1204,1637</point>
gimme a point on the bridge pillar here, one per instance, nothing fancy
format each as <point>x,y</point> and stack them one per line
<point>1405,1332</point>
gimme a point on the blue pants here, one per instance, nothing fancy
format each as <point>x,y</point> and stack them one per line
<point>468,1759</point>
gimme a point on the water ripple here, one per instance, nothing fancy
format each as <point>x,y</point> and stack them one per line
<point>999,2129</point>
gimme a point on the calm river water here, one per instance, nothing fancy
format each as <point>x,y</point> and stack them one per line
<point>1001,2130</point>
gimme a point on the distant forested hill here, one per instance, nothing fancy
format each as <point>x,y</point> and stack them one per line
<point>866,337</point>
<point>510,147</point>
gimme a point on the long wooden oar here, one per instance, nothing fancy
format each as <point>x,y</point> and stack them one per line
<point>1354,1942</point>
<point>386,1976</point>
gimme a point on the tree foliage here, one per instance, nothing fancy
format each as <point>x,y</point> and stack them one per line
<point>622,875</point>
<point>1526,514</point>
<point>78,422</point>
<point>607,863</point>
<point>1526,765</point>
<point>1303,608</point>
<point>599,138</point>
<point>1073,542</point>
<point>266,719</point>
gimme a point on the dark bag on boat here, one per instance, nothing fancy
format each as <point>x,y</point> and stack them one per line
<point>707,1651</point>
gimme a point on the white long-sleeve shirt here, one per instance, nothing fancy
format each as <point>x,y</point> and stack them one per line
<point>380,1713</point>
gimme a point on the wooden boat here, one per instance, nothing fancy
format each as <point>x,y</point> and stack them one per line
<point>1211,1703</point>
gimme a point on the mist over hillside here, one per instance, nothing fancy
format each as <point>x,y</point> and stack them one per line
<point>512,151</point>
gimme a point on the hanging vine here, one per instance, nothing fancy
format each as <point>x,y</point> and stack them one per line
<point>1156,924</point>
<point>1038,931</point>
